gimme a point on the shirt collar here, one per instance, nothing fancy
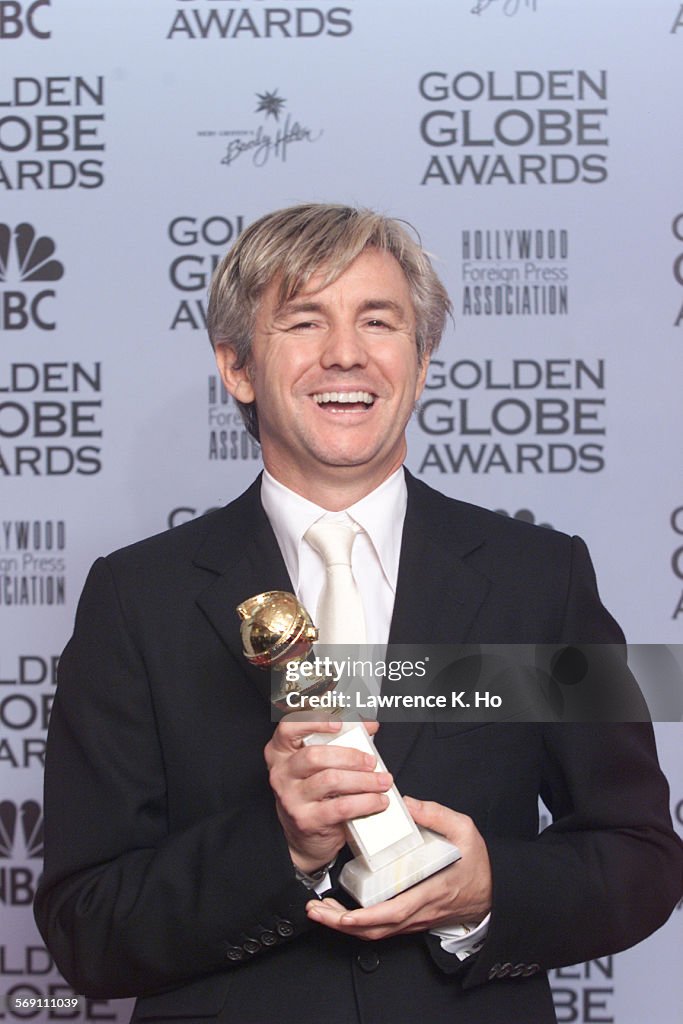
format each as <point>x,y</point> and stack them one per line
<point>290,515</point>
<point>380,513</point>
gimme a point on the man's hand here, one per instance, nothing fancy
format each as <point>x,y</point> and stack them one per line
<point>318,788</point>
<point>461,892</point>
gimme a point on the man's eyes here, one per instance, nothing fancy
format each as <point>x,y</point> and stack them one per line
<point>302,325</point>
<point>375,323</point>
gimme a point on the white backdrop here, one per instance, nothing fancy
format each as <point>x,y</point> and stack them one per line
<point>536,145</point>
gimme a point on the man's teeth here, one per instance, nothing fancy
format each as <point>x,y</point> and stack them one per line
<point>344,396</point>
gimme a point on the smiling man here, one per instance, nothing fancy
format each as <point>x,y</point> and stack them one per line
<point>192,849</point>
<point>335,373</point>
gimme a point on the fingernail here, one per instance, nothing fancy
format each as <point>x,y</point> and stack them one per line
<point>346,919</point>
<point>368,760</point>
<point>384,779</point>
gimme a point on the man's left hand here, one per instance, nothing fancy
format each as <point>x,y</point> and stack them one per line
<point>459,893</point>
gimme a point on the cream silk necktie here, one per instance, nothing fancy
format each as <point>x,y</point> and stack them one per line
<point>339,615</point>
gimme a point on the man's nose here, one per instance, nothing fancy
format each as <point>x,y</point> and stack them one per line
<point>344,347</point>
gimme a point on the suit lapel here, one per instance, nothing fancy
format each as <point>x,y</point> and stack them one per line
<point>438,595</point>
<point>242,550</point>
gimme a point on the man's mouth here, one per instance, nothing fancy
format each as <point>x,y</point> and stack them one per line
<point>344,400</point>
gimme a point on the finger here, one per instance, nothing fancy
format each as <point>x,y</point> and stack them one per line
<point>320,716</point>
<point>291,731</point>
<point>311,816</point>
<point>333,915</point>
<point>444,820</point>
<point>371,726</point>
<point>328,905</point>
<point>388,914</point>
<point>303,761</point>
<point>293,728</point>
<point>411,904</point>
<point>310,761</point>
<point>334,782</point>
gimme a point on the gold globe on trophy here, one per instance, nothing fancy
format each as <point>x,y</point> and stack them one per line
<point>276,632</point>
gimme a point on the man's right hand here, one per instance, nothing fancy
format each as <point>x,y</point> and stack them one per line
<point>319,787</point>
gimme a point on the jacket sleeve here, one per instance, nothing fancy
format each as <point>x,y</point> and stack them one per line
<point>126,906</point>
<point>604,875</point>
<point>609,869</point>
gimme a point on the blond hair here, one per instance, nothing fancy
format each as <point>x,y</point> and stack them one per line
<point>291,246</point>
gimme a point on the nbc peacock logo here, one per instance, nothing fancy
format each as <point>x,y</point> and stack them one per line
<point>27,259</point>
<point>524,515</point>
<point>21,841</point>
<point>21,830</point>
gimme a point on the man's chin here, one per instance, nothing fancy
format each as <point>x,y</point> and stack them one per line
<point>364,462</point>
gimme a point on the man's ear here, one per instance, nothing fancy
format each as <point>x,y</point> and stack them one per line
<point>236,380</point>
<point>422,375</point>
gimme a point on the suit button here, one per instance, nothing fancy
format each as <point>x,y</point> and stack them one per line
<point>251,946</point>
<point>368,961</point>
<point>284,928</point>
<point>268,938</point>
<point>235,953</point>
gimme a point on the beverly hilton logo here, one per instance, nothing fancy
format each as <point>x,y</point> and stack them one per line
<point>273,137</point>
<point>507,7</point>
<point>26,258</point>
<point>270,103</point>
<point>21,830</point>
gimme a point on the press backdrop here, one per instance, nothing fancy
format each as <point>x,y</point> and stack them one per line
<point>537,147</point>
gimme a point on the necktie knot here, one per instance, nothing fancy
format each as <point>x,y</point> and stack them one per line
<point>333,540</point>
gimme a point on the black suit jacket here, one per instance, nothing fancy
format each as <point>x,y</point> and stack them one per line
<point>167,875</point>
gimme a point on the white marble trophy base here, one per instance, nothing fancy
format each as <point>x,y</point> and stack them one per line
<point>393,853</point>
<point>369,887</point>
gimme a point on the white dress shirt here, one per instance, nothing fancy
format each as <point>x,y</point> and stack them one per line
<point>375,554</point>
<point>374,562</point>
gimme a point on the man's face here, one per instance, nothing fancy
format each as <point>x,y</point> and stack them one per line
<point>334,374</point>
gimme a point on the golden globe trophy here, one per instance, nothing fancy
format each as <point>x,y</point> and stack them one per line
<point>391,851</point>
